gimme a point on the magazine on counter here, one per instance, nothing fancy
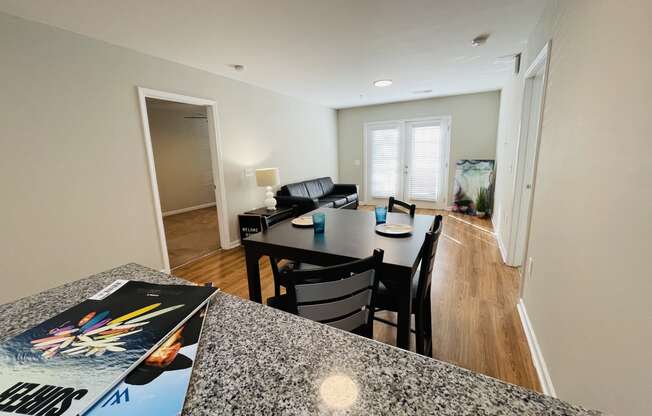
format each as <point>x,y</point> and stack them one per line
<point>159,384</point>
<point>64,365</point>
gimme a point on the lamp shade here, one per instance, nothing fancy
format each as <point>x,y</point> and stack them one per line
<point>267,177</point>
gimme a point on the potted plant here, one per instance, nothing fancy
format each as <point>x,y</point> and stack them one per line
<point>481,202</point>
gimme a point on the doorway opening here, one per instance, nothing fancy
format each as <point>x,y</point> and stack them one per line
<point>182,144</point>
<point>526,162</point>
<point>407,159</point>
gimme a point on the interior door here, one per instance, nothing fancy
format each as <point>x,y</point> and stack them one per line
<point>526,163</point>
<point>534,95</point>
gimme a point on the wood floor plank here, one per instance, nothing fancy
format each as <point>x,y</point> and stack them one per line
<point>474,296</point>
<point>190,235</point>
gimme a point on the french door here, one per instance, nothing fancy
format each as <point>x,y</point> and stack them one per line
<point>408,159</point>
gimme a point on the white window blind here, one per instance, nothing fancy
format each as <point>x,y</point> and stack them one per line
<point>385,163</point>
<point>425,161</point>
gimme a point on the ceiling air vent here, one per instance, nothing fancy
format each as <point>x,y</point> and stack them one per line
<point>480,39</point>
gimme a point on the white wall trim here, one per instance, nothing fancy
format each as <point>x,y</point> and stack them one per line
<point>535,351</point>
<point>216,159</point>
<point>501,247</point>
<point>233,244</point>
<point>495,222</point>
<point>188,209</point>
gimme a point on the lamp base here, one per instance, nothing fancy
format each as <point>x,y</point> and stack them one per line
<point>270,202</point>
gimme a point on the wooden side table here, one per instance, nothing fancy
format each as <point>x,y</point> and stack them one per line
<point>250,221</point>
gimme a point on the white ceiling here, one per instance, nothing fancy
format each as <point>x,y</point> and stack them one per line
<point>324,51</point>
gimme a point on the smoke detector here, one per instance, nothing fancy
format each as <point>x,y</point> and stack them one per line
<point>383,83</point>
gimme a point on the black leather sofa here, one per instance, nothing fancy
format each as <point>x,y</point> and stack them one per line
<point>315,193</point>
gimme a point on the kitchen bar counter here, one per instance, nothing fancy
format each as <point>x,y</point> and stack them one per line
<point>256,360</point>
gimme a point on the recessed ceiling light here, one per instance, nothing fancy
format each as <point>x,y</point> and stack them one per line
<point>480,39</point>
<point>383,83</point>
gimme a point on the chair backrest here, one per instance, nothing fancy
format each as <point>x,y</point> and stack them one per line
<point>428,252</point>
<point>341,296</point>
<point>273,261</point>
<point>264,221</point>
<point>409,208</point>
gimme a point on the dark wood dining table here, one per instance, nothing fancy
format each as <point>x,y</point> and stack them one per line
<point>349,235</point>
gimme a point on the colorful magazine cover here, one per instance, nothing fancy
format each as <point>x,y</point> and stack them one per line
<point>158,386</point>
<point>62,366</point>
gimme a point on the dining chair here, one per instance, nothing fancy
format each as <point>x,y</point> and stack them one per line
<point>393,203</point>
<point>421,282</point>
<point>342,296</point>
<point>278,265</point>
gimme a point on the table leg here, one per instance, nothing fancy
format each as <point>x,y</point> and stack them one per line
<point>253,275</point>
<point>404,313</point>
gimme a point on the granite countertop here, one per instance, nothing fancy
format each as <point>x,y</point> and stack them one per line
<point>256,360</point>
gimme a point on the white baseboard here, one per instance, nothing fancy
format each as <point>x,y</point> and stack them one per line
<point>182,210</point>
<point>493,222</point>
<point>501,248</point>
<point>232,244</point>
<point>535,351</point>
<point>499,241</point>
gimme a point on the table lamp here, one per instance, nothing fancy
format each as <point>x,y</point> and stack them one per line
<point>268,177</point>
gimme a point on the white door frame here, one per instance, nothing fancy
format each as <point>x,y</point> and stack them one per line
<point>216,161</point>
<point>446,143</point>
<point>521,209</point>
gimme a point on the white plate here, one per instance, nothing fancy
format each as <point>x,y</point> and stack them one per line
<point>394,230</point>
<point>302,221</point>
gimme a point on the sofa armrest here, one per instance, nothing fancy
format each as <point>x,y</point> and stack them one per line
<point>344,189</point>
<point>303,202</point>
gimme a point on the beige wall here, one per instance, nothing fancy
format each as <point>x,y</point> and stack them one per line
<point>473,129</point>
<point>76,196</point>
<point>588,297</point>
<point>182,155</point>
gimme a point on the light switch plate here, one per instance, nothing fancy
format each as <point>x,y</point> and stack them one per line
<point>249,172</point>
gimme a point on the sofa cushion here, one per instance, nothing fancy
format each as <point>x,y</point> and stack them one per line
<point>326,185</point>
<point>314,188</point>
<point>337,202</point>
<point>336,196</point>
<point>297,189</point>
<point>324,203</point>
<point>349,198</point>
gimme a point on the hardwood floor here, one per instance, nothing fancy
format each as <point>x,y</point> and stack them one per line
<point>474,295</point>
<point>191,235</point>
